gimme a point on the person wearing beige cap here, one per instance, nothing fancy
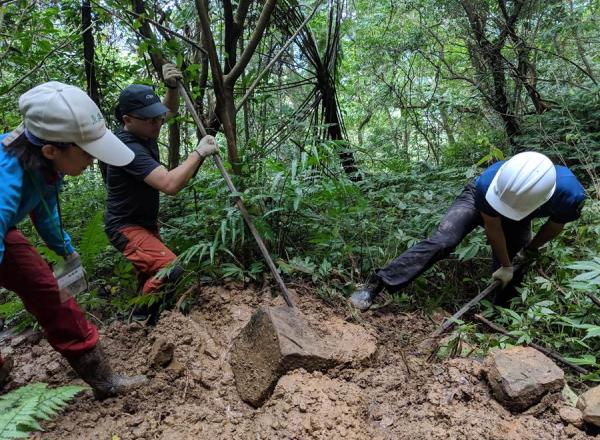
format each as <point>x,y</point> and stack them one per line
<point>61,134</point>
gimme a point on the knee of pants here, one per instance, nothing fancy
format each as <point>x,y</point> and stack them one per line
<point>445,245</point>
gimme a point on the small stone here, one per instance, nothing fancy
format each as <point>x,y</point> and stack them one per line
<point>37,351</point>
<point>521,376</point>
<point>135,421</point>
<point>29,336</point>
<point>571,415</point>
<point>161,353</point>
<point>53,367</point>
<point>176,368</point>
<point>571,431</point>
<point>589,404</point>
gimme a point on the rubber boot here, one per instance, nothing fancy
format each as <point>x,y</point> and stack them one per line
<point>93,367</point>
<point>363,298</point>
<point>6,365</point>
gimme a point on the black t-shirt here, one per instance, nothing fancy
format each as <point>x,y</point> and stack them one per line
<point>131,201</point>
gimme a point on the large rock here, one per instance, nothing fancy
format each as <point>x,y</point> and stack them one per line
<point>521,376</point>
<point>279,339</point>
<point>589,404</point>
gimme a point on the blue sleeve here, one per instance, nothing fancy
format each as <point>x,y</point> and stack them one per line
<point>11,176</point>
<point>482,184</point>
<point>568,200</point>
<point>48,226</point>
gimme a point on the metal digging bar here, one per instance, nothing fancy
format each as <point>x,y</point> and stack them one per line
<point>238,201</point>
<point>448,323</point>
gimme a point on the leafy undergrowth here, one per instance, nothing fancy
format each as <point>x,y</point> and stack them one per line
<point>22,408</point>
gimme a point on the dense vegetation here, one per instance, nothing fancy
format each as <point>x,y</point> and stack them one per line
<point>351,147</point>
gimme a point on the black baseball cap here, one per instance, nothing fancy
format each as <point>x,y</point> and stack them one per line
<point>140,100</point>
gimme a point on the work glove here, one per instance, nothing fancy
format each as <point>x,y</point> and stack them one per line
<point>73,257</point>
<point>171,74</point>
<point>526,255</point>
<point>207,147</point>
<point>70,276</point>
<point>504,275</point>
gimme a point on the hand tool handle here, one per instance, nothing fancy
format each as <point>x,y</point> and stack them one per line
<point>238,201</point>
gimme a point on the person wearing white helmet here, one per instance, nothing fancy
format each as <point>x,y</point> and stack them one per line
<point>61,134</point>
<point>503,199</point>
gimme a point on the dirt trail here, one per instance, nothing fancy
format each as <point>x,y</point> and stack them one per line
<point>398,395</point>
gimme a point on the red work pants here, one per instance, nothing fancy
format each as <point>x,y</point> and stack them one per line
<point>148,254</point>
<point>23,271</point>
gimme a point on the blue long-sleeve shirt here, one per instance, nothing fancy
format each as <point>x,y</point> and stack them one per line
<point>23,193</point>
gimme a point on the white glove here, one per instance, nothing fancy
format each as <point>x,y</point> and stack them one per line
<point>171,74</point>
<point>504,274</point>
<point>207,147</point>
<point>71,257</point>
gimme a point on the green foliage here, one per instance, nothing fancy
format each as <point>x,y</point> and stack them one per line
<point>21,409</point>
<point>420,118</point>
<point>93,240</point>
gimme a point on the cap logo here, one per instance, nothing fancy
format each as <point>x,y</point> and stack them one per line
<point>149,96</point>
<point>96,118</point>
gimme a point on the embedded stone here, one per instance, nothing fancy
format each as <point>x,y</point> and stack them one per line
<point>279,339</point>
<point>571,415</point>
<point>589,404</point>
<point>521,376</point>
<point>161,353</point>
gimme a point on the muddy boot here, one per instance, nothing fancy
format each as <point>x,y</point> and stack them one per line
<point>93,367</point>
<point>364,297</point>
<point>6,365</point>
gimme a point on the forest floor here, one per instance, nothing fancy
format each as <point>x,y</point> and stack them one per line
<point>398,394</point>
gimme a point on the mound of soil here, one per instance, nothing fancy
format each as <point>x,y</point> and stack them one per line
<point>396,394</point>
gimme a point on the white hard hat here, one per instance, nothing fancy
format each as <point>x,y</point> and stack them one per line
<point>522,184</point>
<point>57,112</point>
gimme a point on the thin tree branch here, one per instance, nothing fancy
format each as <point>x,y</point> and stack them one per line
<point>48,55</point>
<point>209,42</point>
<point>261,25</point>
<point>154,23</point>
<point>275,58</point>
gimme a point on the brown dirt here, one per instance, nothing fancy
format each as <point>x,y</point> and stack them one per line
<point>398,394</point>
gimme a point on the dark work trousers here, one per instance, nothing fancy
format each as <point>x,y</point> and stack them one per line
<point>462,217</point>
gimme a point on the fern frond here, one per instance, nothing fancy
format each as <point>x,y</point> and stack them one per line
<point>20,408</point>
<point>55,399</point>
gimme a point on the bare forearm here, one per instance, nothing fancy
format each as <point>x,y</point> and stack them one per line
<point>181,175</point>
<point>171,100</point>
<point>495,235</point>
<point>547,232</point>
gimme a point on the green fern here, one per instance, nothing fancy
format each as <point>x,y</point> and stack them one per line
<point>20,409</point>
<point>93,241</point>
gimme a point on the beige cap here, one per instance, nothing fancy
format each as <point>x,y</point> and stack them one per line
<point>58,112</point>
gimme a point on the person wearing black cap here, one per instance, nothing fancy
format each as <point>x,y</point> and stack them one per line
<point>133,190</point>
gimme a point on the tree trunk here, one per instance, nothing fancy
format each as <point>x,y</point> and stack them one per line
<point>89,50</point>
